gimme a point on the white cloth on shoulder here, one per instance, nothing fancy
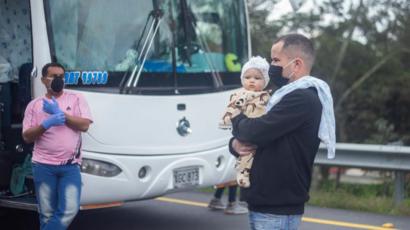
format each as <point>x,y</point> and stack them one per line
<point>327,128</point>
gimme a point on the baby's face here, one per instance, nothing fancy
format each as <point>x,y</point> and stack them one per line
<point>253,80</point>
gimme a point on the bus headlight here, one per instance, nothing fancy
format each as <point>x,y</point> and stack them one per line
<point>99,168</point>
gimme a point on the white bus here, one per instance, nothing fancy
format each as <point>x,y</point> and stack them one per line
<point>157,75</point>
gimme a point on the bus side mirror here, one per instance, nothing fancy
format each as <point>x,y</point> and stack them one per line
<point>296,4</point>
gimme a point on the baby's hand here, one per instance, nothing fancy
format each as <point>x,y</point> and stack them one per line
<point>243,148</point>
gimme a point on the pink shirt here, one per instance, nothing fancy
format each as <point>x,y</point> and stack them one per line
<point>58,145</point>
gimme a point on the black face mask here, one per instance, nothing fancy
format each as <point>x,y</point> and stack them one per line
<point>275,73</point>
<point>57,84</point>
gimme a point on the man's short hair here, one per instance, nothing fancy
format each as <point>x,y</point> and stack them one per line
<point>44,71</point>
<point>293,43</point>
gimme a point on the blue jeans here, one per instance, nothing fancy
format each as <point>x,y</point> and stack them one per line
<point>266,221</point>
<point>58,191</point>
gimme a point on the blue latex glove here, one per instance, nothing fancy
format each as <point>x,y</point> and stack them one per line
<point>51,107</point>
<point>54,120</point>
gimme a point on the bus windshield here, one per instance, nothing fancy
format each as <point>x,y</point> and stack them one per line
<point>199,45</point>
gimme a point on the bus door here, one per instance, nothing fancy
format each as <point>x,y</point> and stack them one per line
<point>15,88</point>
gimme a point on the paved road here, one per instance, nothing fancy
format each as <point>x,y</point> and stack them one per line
<point>188,211</point>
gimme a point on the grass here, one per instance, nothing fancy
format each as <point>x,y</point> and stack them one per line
<point>209,190</point>
<point>344,200</point>
<point>375,198</point>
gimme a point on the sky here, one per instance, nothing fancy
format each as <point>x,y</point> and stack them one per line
<point>284,7</point>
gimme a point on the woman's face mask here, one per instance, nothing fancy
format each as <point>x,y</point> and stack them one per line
<point>275,73</point>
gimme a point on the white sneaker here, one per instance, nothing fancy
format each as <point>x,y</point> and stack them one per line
<point>216,204</point>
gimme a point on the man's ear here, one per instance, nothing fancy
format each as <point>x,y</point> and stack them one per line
<point>299,63</point>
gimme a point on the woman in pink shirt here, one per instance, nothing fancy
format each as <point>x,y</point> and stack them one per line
<point>54,123</point>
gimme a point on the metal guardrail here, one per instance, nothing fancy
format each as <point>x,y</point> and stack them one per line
<point>379,157</point>
<point>384,157</point>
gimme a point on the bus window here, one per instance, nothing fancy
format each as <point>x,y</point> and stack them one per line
<point>15,38</point>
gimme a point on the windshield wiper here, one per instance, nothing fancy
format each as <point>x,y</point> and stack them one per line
<point>132,81</point>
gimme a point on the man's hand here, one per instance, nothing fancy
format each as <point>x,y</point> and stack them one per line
<point>243,148</point>
<point>51,107</point>
<point>54,120</point>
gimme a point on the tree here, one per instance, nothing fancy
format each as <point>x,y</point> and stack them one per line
<point>363,52</point>
<point>262,33</point>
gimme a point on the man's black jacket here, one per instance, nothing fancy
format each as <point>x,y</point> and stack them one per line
<point>287,140</point>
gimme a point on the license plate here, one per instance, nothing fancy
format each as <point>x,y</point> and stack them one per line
<point>186,177</point>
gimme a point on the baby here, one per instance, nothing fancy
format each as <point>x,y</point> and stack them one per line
<point>251,100</point>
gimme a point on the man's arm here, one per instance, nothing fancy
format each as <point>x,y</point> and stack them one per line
<point>81,118</point>
<point>288,115</point>
<point>31,134</point>
<point>77,123</point>
<point>31,129</point>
